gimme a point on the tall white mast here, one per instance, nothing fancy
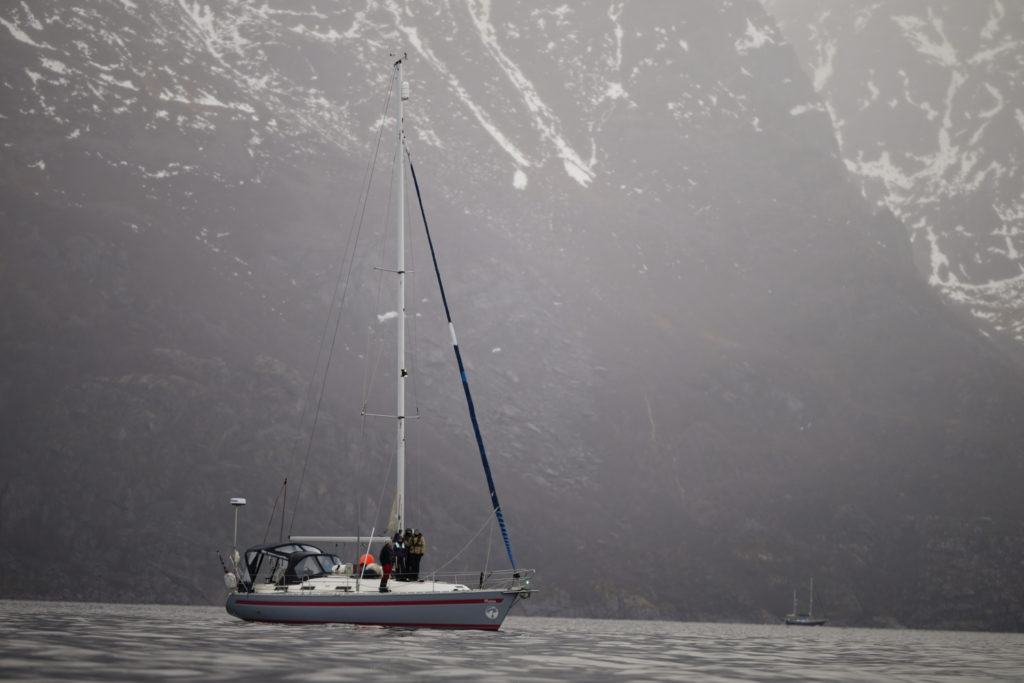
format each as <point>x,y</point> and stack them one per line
<point>403,94</point>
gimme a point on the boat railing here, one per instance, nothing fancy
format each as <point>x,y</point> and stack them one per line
<point>511,580</point>
<point>501,579</point>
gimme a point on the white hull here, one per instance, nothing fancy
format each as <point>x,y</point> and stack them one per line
<point>474,609</point>
<point>342,599</point>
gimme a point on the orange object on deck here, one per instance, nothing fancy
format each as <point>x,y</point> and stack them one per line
<point>366,559</point>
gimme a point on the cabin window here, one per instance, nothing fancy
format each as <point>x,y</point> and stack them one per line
<point>327,563</point>
<point>308,566</point>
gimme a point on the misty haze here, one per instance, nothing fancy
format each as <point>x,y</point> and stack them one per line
<point>739,287</point>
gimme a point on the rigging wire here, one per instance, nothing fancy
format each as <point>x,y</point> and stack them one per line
<point>371,368</point>
<point>488,520</point>
<point>339,295</point>
<point>283,489</point>
<point>495,505</point>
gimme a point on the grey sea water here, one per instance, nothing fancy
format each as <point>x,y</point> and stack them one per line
<point>84,642</point>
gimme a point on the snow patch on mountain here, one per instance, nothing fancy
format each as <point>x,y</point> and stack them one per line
<point>823,70</point>
<point>481,116</point>
<point>614,15</point>
<point>19,34</point>
<point>929,38</point>
<point>519,179</point>
<point>545,119</point>
<point>934,140</point>
<point>754,37</point>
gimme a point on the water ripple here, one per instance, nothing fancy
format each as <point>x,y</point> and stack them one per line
<point>84,642</point>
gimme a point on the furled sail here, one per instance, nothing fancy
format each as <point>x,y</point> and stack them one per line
<point>495,505</point>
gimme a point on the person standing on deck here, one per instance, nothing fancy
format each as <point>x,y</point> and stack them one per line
<point>387,562</point>
<point>416,547</point>
<point>400,557</point>
<point>407,539</point>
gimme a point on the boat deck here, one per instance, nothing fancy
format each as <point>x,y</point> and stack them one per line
<point>436,583</point>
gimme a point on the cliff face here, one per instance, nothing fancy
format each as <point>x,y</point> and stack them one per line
<point>927,112</point>
<point>705,365</point>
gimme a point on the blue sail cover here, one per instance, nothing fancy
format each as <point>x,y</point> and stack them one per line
<point>495,505</point>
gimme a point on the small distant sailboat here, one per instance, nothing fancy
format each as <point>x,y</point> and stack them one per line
<point>808,619</point>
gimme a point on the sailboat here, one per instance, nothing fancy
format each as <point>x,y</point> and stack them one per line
<point>296,581</point>
<point>808,619</point>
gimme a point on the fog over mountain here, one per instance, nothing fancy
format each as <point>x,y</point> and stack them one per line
<point>737,284</point>
<point>928,108</point>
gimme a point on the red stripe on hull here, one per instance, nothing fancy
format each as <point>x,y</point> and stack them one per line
<point>475,627</point>
<point>373,603</point>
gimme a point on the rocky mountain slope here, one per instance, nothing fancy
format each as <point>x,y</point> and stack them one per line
<point>706,366</point>
<point>928,111</point>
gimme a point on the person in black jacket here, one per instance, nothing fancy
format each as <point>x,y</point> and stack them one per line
<point>407,539</point>
<point>416,548</point>
<point>387,563</point>
<point>400,555</point>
